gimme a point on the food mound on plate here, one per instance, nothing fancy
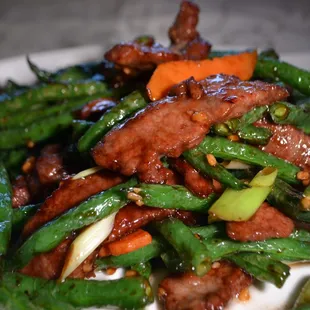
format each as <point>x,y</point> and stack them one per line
<point>179,157</point>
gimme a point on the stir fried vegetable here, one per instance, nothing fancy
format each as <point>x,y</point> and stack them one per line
<point>210,181</point>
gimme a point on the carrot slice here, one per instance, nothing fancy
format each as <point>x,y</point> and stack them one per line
<point>132,242</point>
<point>170,73</point>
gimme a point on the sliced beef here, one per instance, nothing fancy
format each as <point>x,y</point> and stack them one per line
<point>186,43</point>
<point>193,180</point>
<point>288,143</point>
<point>21,195</point>
<point>132,217</point>
<point>96,108</point>
<point>49,165</point>
<point>68,195</point>
<point>184,29</point>
<point>137,56</point>
<point>210,292</point>
<point>265,224</point>
<point>48,265</point>
<point>170,126</point>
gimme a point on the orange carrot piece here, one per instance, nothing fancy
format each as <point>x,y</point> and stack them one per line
<point>170,73</point>
<point>132,242</point>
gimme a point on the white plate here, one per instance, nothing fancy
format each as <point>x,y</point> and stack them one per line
<point>263,296</point>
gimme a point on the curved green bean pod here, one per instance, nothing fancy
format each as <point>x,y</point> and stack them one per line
<point>70,74</point>
<point>262,267</point>
<point>13,158</point>
<point>25,118</point>
<point>197,158</point>
<point>173,197</point>
<point>303,300</point>
<point>50,235</point>
<point>21,215</point>
<point>289,114</point>
<point>288,200</point>
<point>226,149</point>
<point>255,135</point>
<point>35,132</point>
<point>124,109</point>
<point>79,127</point>
<point>275,70</point>
<point>5,210</point>
<point>143,269</point>
<point>127,293</point>
<point>186,244</point>
<point>52,92</point>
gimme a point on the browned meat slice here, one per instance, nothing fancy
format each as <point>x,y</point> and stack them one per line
<point>183,29</point>
<point>21,195</point>
<point>49,165</point>
<point>68,195</point>
<point>48,265</point>
<point>96,108</point>
<point>186,43</point>
<point>210,292</point>
<point>266,223</point>
<point>134,55</point>
<point>132,217</point>
<point>193,180</point>
<point>170,126</point>
<point>288,143</point>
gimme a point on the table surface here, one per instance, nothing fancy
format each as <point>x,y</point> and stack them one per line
<point>37,25</point>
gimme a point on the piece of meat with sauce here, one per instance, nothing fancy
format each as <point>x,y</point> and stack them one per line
<point>186,43</point>
<point>289,143</point>
<point>69,194</point>
<point>193,180</point>
<point>211,292</point>
<point>132,217</point>
<point>265,224</point>
<point>175,124</point>
<point>49,165</point>
<point>96,108</point>
<point>20,192</point>
<point>48,265</point>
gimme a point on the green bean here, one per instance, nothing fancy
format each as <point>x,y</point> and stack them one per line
<point>50,235</point>
<point>186,244</point>
<point>301,235</point>
<point>255,135</point>
<point>142,255</point>
<point>225,149</point>
<point>21,215</point>
<point>52,92</point>
<point>288,200</point>
<point>80,127</point>
<point>211,231</point>
<point>285,249</point>
<point>5,210</point>
<point>25,118</point>
<point>35,132</point>
<point>174,197</point>
<point>286,113</point>
<point>269,53</point>
<point>222,53</point>
<point>69,74</point>
<point>262,267</point>
<point>124,109</point>
<point>276,70</point>
<point>143,269</point>
<point>126,293</point>
<point>13,158</point>
<point>303,300</point>
<point>245,128</point>
<point>197,158</point>
<point>12,87</point>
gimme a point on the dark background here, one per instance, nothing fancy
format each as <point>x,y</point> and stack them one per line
<point>37,25</point>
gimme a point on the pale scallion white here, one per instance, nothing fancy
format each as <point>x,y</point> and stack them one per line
<point>86,242</point>
<point>87,172</point>
<point>236,164</point>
